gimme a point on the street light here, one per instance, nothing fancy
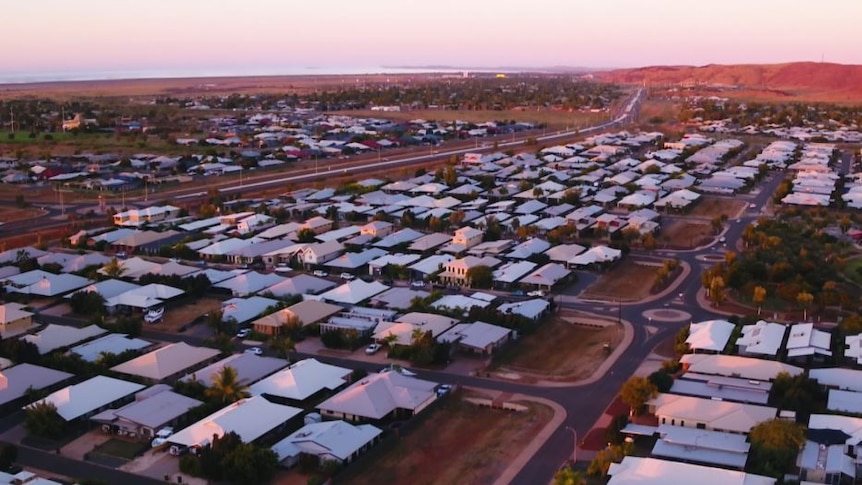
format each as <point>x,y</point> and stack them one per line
<point>575,444</point>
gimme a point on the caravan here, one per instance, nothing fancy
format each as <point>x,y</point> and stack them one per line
<point>154,315</point>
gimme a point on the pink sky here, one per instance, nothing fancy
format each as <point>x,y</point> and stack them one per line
<point>279,35</point>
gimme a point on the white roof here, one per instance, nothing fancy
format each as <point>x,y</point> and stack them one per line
<point>250,418</point>
<point>302,380</point>
<point>702,446</point>
<point>717,415</point>
<point>15,381</point>
<point>848,379</point>
<point>709,335</point>
<point>737,366</point>
<point>251,282</point>
<point>513,271</point>
<point>354,291</point>
<point>806,340</point>
<point>245,309</point>
<point>761,338</point>
<point>651,471</point>
<point>562,253</point>
<point>531,309</point>
<point>155,407</point>
<point>377,395</point>
<point>56,336</point>
<point>458,301</point>
<point>432,264</point>
<point>844,401</point>
<point>850,425</point>
<point>42,283</point>
<point>300,284</point>
<point>113,343</point>
<point>596,254</point>
<point>249,368</point>
<point>75,401</point>
<point>108,288</point>
<point>547,275</point>
<point>478,335</point>
<point>327,440</point>
<point>166,361</point>
<point>10,312</point>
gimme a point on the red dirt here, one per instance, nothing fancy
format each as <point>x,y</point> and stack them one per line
<point>804,80</point>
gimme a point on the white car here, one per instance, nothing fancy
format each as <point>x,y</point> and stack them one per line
<point>162,436</point>
<point>347,276</point>
<point>320,273</point>
<point>245,332</point>
<point>373,348</point>
<point>417,284</point>
<point>538,293</point>
<point>398,369</point>
<point>254,350</point>
<point>282,268</point>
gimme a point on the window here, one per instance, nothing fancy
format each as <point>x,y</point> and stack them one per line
<point>701,425</point>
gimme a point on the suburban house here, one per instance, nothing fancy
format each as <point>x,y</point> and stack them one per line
<point>139,217</point>
<point>377,229</point>
<point>464,238</point>
<point>701,446</point>
<point>709,336</point>
<point>89,397</point>
<point>336,441</point>
<point>479,337</point>
<point>167,362</point>
<point>763,338</point>
<point>633,470</point>
<point>318,254</point>
<point>152,409</point>
<point>14,320</point>
<point>18,380</point>
<point>249,368</point>
<point>805,341</point>
<point>301,381</point>
<point>736,366</point>
<point>306,312</point>
<point>699,413</point>
<point>379,396</point>
<point>317,225</point>
<point>455,272</point>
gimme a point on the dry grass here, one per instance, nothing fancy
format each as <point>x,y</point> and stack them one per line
<point>437,452</point>
<point>627,281</point>
<point>711,207</point>
<point>177,317</point>
<point>554,119</point>
<point>584,349</point>
<point>683,234</point>
<point>9,214</point>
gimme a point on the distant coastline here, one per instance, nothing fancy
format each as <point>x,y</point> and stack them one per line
<point>119,75</point>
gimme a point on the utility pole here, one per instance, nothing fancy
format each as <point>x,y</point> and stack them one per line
<point>11,120</point>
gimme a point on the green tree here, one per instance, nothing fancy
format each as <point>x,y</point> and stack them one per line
<point>114,269</point>
<point>41,419</point>
<point>249,464</point>
<point>797,393</point>
<point>480,277</point>
<point>226,387</point>
<point>88,303</point>
<point>636,391</point>
<point>8,456</point>
<point>774,447</point>
<point>569,476</point>
<point>306,235</point>
<point>283,346</point>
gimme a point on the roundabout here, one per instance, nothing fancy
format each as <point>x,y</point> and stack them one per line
<point>666,315</point>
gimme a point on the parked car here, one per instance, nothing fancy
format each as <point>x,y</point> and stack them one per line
<point>443,389</point>
<point>254,350</point>
<point>373,348</point>
<point>347,276</point>
<point>282,268</point>
<point>320,273</point>
<point>162,436</point>
<point>417,284</point>
<point>722,239</point>
<point>243,333</point>
<point>517,293</point>
<point>538,293</point>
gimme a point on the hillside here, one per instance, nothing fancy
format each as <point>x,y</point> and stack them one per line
<point>802,80</point>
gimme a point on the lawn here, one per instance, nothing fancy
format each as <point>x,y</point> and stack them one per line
<point>853,270</point>
<point>717,206</point>
<point>459,443</point>
<point>562,349</point>
<point>684,234</point>
<point>626,281</point>
<point>121,449</point>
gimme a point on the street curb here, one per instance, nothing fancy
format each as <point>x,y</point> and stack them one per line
<point>520,461</point>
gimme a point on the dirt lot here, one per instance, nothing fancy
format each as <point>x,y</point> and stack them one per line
<point>437,453</point>
<point>683,234</point>
<point>9,214</point>
<point>584,350</point>
<point>716,206</point>
<point>177,317</point>
<point>627,281</point>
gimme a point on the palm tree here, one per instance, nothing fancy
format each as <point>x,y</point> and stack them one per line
<point>226,388</point>
<point>114,269</point>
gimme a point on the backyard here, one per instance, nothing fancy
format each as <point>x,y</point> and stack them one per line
<point>562,349</point>
<point>436,452</point>
<point>626,281</point>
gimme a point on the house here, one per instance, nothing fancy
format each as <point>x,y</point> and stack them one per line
<point>402,331</point>
<point>250,418</point>
<point>318,254</point>
<point>139,217</point>
<point>54,337</point>
<point>317,225</point>
<point>307,312</point>
<point>465,238</point>
<point>354,292</point>
<point>336,441</point>
<point>531,309</point>
<point>596,255</point>
<point>14,320</point>
<point>806,341</point>
<point>709,336</point>
<point>249,368</point>
<point>301,381</point>
<point>89,397</point>
<point>509,273</point>
<point>112,343</point>
<point>723,388</point>
<point>379,396</point>
<point>17,381</point>
<point>377,229</point>
<point>853,352</point>
<point>242,310</point>
<point>762,338</point>
<point>823,458</point>
<point>479,337</point>
<point>547,276</point>
<point>152,409</point>
<point>166,362</point>
<point>43,283</point>
<point>633,470</point>
<point>736,366</point>
<point>456,270</point>
<point>838,378</point>
<point>249,283</point>
<point>699,413</point>
<point>701,446</point>
<point>301,284</point>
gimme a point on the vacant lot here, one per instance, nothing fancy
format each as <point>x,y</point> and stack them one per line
<point>718,206</point>
<point>9,214</point>
<point>563,349</point>
<point>459,443</point>
<point>627,281</point>
<point>684,234</point>
<point>185,314</point>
